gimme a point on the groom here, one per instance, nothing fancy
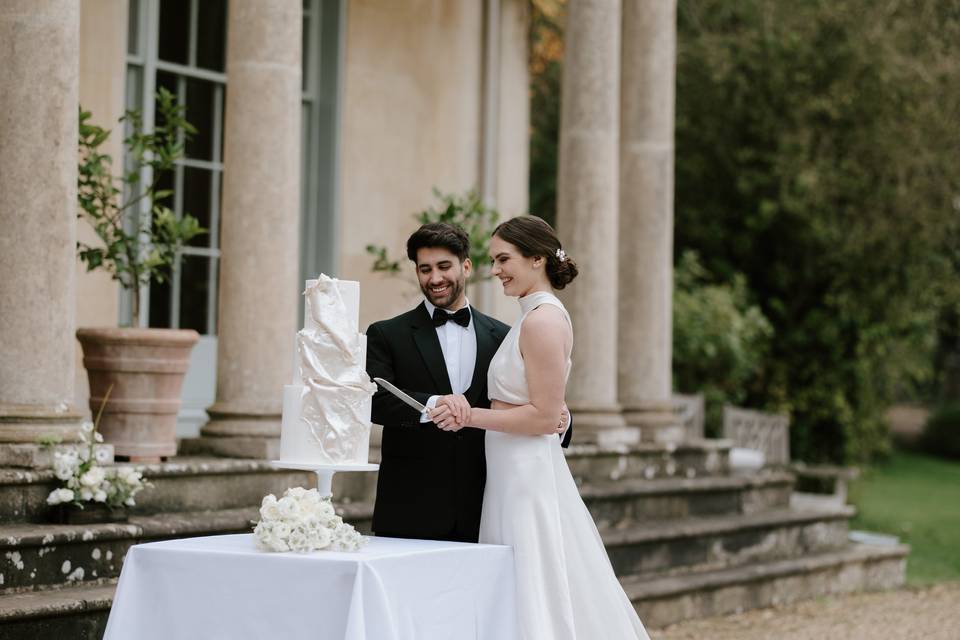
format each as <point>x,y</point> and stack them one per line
<point>431,481</point>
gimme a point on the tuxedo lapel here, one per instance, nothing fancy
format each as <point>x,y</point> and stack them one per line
<point>486,347</point>
<point>425,337</point>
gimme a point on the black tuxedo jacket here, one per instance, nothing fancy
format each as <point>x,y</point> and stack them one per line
<point>431,482</point>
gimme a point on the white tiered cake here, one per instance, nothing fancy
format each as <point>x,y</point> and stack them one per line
<point>326,411</point>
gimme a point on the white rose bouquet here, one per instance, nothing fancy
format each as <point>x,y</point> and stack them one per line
<point>86,480</point>
<point>302,520</point>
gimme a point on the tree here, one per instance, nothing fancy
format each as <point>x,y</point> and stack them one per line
<point>817,153</point>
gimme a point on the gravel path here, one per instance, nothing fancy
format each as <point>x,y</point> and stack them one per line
<point>931,613</point>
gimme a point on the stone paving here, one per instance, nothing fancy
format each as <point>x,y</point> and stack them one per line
<point>931,613</point>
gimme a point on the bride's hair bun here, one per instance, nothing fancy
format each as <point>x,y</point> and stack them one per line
<point>534,237</point>
<point>561,271</point>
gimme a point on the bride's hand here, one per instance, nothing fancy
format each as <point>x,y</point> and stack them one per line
<point>452,412</point>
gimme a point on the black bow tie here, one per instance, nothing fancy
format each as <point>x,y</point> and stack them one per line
<point>461,317</point>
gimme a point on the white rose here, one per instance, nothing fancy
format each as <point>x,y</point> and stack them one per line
<point>93,477</point>
<point>299,542</point>
<point>84,454</point>
<point>129,501</point>
<point>325,511</point>
<point>102,455</point>
<point>100,496</point>
<point>323,539</point>
<point>86,494</point>
<point>129,476</point>
<point>281,529</point>
<point>69,458</point>
<point>63,470</point>
<point>295,492</point>
<point>58,496</point>
<point>269,509</point>
<point>289,508</point>
<point>87,427</point>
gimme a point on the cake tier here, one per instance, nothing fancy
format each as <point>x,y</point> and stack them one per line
<point>339,435</point>
<point>323,303</point>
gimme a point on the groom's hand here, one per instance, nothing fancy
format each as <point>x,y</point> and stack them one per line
<point>452,412</point>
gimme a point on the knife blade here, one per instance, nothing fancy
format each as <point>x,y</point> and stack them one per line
<point>400,394</point>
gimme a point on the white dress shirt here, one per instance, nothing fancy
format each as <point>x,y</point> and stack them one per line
<point>459,346</point>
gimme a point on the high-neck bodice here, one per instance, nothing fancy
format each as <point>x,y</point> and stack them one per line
<point>506,377</point>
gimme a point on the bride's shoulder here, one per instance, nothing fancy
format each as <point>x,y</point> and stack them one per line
<point>546,317</point>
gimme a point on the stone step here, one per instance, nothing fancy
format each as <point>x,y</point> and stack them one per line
<point>619,503</point>
<point>639,519</point>
<point>649,460</point>
<point>182,484</point>
<point>194,484</point>
<point>663,600</point>
<point>37,556</point>
<point>709,543</point>
<point>78,613</point>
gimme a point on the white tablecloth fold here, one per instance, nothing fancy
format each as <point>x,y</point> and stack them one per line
<point>224,587</point>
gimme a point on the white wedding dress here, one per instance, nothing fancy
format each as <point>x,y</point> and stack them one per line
<point>566,587</point>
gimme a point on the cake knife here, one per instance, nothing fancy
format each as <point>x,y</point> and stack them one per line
<point>403,396</point>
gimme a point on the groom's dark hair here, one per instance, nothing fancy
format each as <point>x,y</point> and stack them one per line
<point>439,234</point>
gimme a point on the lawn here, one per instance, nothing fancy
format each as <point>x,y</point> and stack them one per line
<point>916,498</point>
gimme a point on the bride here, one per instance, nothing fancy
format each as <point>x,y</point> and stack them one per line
<point>566,587</point>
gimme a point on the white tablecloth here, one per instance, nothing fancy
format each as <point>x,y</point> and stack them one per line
<point>224,587</point>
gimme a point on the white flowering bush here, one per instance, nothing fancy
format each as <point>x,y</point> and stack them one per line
<point>303,520</point>
<point>85,480</point>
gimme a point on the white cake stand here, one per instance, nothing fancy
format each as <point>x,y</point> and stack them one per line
<point>324,471</point>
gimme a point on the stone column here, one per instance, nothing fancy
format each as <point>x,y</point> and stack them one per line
<point>647,88</point>
<point>587,212</point>
<point>39,48</point>
<point>259,268</point>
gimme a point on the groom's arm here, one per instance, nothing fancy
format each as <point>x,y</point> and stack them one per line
<point>387,408</point>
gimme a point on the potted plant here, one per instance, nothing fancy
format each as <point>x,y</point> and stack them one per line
<point>140,239</point>
<point>89,491</point>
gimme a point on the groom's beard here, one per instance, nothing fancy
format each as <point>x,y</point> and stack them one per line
<point>445,301</point>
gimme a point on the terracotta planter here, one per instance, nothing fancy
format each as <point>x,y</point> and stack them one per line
<point>146,368</point>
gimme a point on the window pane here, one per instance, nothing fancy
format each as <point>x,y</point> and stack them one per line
<point>133,27</point>
<point>199,105</point>
<point>174,44</point>
<point>211,34</point>
<point>160,304</point>
<point>134,90</point>
<point>194,287</point>
<point>196,201</point>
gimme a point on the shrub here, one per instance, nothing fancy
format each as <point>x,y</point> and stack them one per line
<point>719,339</point>
<point>941,435</point>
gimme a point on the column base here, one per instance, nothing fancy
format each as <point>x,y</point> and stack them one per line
<point>656,420</point>
<point>24,427</point>
<point>259,448</point>
<point>236,431</point>
<point>602,426</point>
